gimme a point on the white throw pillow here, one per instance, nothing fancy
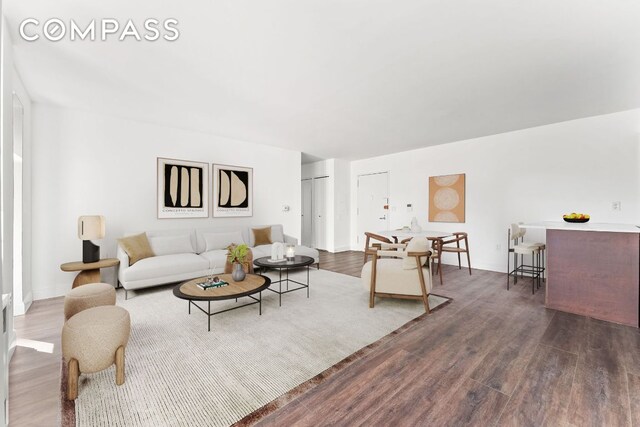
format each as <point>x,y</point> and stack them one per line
<point>277,235</point>
<point>169,245</point>
<point>417,244</point>
<point>222,240</point>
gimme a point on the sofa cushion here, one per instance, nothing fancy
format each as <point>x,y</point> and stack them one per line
<point>221,240</point>
<point>261,251</point>
<point>137,247</point>
<point>165,265</point>
<point>216,258</point>
<point>310,252</point>
<point>261,236</point>
<point>277,233</point>
<point>168,245</point>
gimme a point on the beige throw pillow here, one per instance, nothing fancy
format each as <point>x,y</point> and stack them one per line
<point>417,244</point>
<point>137,247</point>
<point>261,236</point>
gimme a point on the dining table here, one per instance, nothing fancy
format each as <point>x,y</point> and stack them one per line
<point>403,233</point>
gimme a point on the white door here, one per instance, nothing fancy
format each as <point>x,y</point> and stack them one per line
<point>307,213</point>
<point>373,197</point>
<point>319,213</point>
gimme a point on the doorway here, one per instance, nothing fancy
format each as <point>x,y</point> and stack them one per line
<point>314,212</point>
<point>320,213</point>
<point>373,203</point>
<point>307,213</point>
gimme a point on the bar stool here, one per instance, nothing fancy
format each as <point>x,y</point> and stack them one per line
<point>541,246</point>
<point>517,246</point>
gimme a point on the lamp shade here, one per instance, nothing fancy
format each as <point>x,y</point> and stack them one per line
<point>91,227</point>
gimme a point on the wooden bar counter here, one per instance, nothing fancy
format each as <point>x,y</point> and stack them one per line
<point>593,270</point>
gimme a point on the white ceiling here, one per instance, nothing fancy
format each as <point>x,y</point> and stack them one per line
<point>344,78</point>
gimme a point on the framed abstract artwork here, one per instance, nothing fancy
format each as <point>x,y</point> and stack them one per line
<point>447,198</point>
<point>232,191</point>
<point>183,189</point>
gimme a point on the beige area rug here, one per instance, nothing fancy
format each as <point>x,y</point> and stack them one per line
<point>179,374</point>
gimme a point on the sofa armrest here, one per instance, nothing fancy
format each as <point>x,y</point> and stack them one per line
<point>290,240</point>
<point>124,261</point>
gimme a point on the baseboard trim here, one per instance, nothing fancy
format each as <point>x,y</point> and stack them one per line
<point>55,290</point>
<point>340,249</point>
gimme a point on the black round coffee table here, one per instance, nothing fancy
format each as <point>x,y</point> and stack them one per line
<point>251,285</point>
<point>298,261</point>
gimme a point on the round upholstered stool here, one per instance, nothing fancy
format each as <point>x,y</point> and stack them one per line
<point>93,340</point>
<point>88,296</point>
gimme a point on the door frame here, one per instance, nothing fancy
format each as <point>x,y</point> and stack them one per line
<point>311,237</point>
<point>314,237</point>
<point>388,173</point>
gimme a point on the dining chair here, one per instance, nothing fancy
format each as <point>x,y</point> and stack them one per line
<point>457,238</point>
<point>436,254</point>
<point>373,236</point>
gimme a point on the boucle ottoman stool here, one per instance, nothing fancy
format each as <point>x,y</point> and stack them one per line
<point>87,296</point>
<point>93,340</point>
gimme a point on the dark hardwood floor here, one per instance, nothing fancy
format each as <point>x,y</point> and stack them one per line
<point>492,357</point>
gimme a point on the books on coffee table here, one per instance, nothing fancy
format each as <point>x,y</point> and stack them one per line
<point>212,285</point>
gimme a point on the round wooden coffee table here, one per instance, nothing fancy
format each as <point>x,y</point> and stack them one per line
<point>299,261</point>
<point>251,285</point>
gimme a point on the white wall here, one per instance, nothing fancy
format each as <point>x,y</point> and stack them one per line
<point>529,175</point>
<point>85,163</point>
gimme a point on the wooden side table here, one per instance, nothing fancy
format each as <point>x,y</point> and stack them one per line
<point>89,272</point>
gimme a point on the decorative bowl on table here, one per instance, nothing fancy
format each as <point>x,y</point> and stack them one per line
<point>576,217</point>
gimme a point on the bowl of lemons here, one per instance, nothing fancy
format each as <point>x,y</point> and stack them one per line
<point>576,217</point>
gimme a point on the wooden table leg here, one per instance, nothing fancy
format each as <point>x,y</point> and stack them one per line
<point>86,276</point>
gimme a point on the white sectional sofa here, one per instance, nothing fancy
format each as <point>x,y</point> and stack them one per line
<point>186,254</point>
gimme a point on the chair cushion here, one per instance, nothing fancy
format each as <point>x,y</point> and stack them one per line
<point>417,244</point>
<point>165,265</point>
<point>525,249</point>
<point>391,278</point>
<point>137,247</point>
<point>222,240</point>
<point>261,236</point>
<point>168,245</point>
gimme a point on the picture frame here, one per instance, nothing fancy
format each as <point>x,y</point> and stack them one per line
<point>232,191</point>
<point>182,189</point>
<point>447,198</point>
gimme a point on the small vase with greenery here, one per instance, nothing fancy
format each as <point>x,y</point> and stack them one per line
<point>237,256</point>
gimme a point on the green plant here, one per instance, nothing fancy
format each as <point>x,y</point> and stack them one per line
<point>237,254</point>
